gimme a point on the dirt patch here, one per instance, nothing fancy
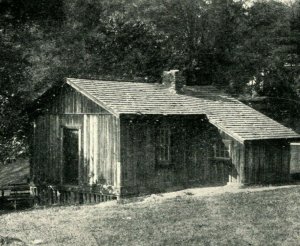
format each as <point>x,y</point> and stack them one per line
<point>208,191</point>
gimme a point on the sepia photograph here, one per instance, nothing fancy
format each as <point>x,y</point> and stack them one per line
<point>149,122</point>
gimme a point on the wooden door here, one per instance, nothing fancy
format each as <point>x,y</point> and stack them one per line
<point>71,156</point>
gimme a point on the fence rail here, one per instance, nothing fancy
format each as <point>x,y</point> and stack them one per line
<point>51,195</point>
<point>16,194</point>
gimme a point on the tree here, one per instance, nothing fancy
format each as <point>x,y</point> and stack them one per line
<point>267,49</point>
<point>104,44</point>
<point>294,60</point>
<point>203,36</point>
<point>13,93</point>
<point>16,87</point>
<point>269,55</point>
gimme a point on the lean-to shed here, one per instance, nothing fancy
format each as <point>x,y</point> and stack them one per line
<point>144,137</point>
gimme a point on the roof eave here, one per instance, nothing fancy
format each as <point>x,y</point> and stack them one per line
<point>273,138</point>
<point>228,132</point>
<point>92,98</point>
<point>243,140</point>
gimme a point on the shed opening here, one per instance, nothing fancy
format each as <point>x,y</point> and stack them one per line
<point>295,160</point>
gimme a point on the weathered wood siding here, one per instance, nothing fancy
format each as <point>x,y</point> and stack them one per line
<point>192,156</point>
<point>66,100</point>
<point>267,161</point>
<point>259,161</point>
<point>236,164</point>
<point>192,162</point>
<point>98,136</point>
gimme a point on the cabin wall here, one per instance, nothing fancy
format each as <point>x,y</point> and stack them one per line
<point>236,164</point>
<point>67,100</point>
<point>259,161</point>
<point>98,141</point>
<point>98,152</point>
<point>267,161</point>
<point>192,161</point>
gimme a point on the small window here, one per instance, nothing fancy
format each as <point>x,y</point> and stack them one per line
<point>163,146</point>
<point>222,149</point>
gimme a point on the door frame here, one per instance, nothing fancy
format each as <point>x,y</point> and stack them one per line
<point>77,128</point>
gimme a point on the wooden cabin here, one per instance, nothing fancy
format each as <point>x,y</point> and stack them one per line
<point>129,138</point>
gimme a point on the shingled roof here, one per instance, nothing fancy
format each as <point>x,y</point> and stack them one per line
<point>225,112</point>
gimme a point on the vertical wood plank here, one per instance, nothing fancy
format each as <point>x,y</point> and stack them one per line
<point>85,149</point>
<point>286,161</point>
<point>262,162</point>
<point>91,148</point>
<point>242,164</point>
<point>95,146</point>
<point>256,163</point>
<point>250,163</point>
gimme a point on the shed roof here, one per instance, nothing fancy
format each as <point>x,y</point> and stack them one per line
<point>225,112</point>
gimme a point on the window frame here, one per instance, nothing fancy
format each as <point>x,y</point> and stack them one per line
<point>222,147</point>
<point>163,146</point>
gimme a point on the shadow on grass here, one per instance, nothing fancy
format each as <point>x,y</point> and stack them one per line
<point>9,205</point>
<point>7,208</point>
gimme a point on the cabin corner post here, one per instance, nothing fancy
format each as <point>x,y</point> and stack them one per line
<point>242,164</point>
<point>288,164</point>
<point>237,171</point>
<point>118,177</point>
<point>118,180</point>
<point>33,153</point>
<point>289,158</point>
<point>61,160</point>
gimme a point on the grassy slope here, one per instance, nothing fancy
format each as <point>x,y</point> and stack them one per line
<point>258,218</point>
<point>13,173</point>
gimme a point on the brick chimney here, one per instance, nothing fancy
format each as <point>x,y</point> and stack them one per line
<point>174,81</point>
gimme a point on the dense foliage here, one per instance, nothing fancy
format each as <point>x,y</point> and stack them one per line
<point>251,49</point>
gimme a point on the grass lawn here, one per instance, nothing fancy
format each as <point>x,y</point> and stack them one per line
<point>269,217</point>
